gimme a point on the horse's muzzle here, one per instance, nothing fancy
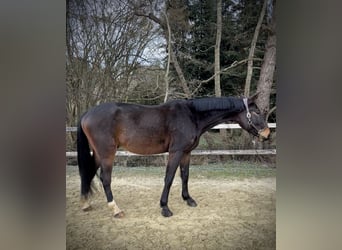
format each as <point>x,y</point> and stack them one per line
<point>264,134</point>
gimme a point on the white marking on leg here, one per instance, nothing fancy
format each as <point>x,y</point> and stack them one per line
<point>85,204</point>
<point>115,207</point>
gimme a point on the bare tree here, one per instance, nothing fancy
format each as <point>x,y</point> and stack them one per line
<point>264,85</point>
<point>147,10</point>
<point>105,46</point>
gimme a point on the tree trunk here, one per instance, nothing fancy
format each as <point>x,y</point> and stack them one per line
<point>223,132</point>
<point>180,74</point>
<point>217,48</point>
<point>266,74</point>
<point>252,49</point>
<point>166,77</point>
<point>267,69</point>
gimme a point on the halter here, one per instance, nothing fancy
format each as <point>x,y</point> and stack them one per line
<point>249,117</point>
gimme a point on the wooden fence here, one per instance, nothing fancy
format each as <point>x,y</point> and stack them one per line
<point>201,152</point>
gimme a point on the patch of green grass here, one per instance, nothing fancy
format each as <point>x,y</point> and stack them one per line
<point>138,171</point>
<point>230,170</point>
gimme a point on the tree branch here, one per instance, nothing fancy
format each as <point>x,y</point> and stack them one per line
<point>152,17</point>
<point>270,112</point>
<point>233,65</point>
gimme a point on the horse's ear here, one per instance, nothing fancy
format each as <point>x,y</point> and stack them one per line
<point>253,98</point>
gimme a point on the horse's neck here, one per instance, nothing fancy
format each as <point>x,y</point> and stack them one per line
<point>212,118</point>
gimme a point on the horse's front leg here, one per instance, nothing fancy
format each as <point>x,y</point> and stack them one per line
<point>173,162</point>
<point>184,166</point>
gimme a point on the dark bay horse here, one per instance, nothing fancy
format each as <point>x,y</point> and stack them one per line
<point>174,127</point>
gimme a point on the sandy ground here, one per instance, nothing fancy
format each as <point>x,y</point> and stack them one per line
<point>231,214</point>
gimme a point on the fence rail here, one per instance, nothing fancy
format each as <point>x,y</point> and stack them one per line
<point>220,126</point>
<point>201,152</point>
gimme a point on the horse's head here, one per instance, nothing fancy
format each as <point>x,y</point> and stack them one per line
<point>253,120</point>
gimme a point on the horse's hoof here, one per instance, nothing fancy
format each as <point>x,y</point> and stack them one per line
<point>119,215</point>
<point>86,207</point>
<point>191,202</point>
<point>166,212</point>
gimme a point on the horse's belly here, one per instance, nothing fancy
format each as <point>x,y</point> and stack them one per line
<point>146,146</point>
<point>145,149</point>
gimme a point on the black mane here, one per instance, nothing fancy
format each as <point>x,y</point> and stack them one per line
<point>233,104</point>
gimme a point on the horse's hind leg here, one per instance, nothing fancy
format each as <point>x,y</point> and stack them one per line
<point>106,178</point>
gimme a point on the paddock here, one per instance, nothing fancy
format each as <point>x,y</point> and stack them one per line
<point>236,210</point>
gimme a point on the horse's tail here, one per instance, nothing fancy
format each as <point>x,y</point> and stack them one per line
<point>86,162</point>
